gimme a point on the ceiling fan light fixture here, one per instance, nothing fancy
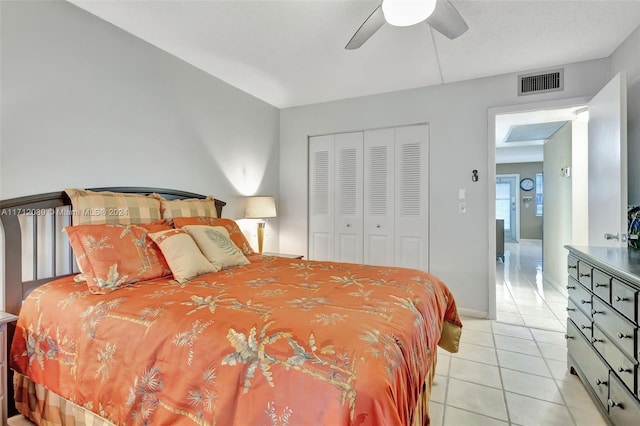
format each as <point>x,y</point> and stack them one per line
<point>403,13</point>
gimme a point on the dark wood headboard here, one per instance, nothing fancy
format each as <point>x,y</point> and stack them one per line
<point>16,288</point>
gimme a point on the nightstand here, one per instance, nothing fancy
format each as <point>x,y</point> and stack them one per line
<point>5,319</point>
<point>286,256</point>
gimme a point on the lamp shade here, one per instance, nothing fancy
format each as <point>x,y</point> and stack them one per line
<point>403,13</point>
<point>260,208</point>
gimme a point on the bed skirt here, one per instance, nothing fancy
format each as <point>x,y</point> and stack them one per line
<point>46,408</point>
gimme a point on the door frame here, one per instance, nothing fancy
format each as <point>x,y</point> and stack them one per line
<point>516,215</point>
<point>492,112</point>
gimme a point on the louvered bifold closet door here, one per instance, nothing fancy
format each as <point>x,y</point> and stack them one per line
<point>412,197</point>
<point>379,197</point>
<point>321,197</point>
<point>348,197</point>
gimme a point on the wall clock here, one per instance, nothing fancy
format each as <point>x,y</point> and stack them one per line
<point>527,184</point>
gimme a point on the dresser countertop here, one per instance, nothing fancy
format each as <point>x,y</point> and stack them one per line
<point>625,262</point>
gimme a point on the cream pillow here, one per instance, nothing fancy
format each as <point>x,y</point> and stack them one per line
<point>183,256</point>
<point>217,246</point>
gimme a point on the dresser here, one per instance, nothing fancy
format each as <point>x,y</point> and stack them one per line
<point>602,328</point>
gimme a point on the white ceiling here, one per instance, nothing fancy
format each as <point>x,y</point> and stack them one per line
<point>291,52</point>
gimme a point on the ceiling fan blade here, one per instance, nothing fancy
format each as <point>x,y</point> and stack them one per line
<point>446,20</point>
<point>367,29</point>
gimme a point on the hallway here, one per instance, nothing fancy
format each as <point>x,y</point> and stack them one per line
<point>522,296</point>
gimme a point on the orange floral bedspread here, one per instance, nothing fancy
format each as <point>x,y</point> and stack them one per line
<point>271,343</point>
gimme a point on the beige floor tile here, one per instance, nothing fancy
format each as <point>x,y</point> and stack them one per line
<point>546,336</point>
<point>552,351</point>
<point>510,318</point>
<point>479,399</point>
<point>551,323</point>
<point>559,370</point>
<point>527,411</point>
<point>442,364</point>
<point>457,417</point>
<point>588,416</point>
<point>475,372</point>
<point>436,413</point>
<point>476,353</point>
<point>531,385</point>
<point>477,324</point>
<point>477,338</point>
<point>515,344</point>
<point>574,393</point>
<point>511,330</point>
<point>439,389</point>
<point>521,362</point>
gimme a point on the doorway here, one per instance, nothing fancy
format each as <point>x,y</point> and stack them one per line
<point>530,114</point>
<point>507,208</point>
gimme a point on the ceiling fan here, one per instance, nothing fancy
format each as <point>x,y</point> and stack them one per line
<point>441,15</point>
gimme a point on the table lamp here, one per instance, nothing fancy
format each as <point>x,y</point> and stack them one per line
<point>260,208</point>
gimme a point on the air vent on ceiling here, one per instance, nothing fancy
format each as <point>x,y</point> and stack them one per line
<point>550,81</point>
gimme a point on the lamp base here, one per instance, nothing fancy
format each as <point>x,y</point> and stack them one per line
<point>260,236</point>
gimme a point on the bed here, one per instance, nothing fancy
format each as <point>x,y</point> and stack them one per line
<point>271,341</point>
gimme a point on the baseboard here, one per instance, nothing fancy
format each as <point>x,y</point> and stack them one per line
<point>472,313</point>
<point>559,287</point>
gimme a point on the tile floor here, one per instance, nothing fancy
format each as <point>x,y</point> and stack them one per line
<point>522,296</point>
<point>512,371</point>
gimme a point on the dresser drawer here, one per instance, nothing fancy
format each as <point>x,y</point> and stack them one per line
<point>624,367</point>
<point>624,409</point>
<point>621,331</point>
<point>602,285</point>
<point>581,320</point>
<point>592,367</point>
<point>623,299</point>
<point>572,266</point>
<point>580,295</point>
<point>585,271</point>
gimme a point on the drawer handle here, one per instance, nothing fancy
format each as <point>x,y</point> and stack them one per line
<point>566,336</point>
<point>596,340</point>
<point>601,285</point>
<point>571,287</point>
<point>594,312</point>
<point>612,403</point>
<point>584,302</point>
<point>582,326</point>
<point>570,309</point>
<point>572,266</point>
<point>601,382</point>
<point>621,299</point>
<point>624,336</point>
<point>624,370</point>
<point>584,275</point>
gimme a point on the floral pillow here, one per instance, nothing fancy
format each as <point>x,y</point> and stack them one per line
<point>113,256</point>
<point>231,226</point>
<point>215,244</point>
<point>183,255</point>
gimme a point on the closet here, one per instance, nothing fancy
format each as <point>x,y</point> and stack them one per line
<point>368,197</point>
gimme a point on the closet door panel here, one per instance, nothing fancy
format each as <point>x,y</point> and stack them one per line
<point>348,197</point>
<point>411,196</point>
<point>378,197</point>
<point>321,197</point>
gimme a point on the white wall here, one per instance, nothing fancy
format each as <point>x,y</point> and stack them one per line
<point>557,228</point>
<point>457,114</point>
<point>85,104</point>
<point>626,58</point>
